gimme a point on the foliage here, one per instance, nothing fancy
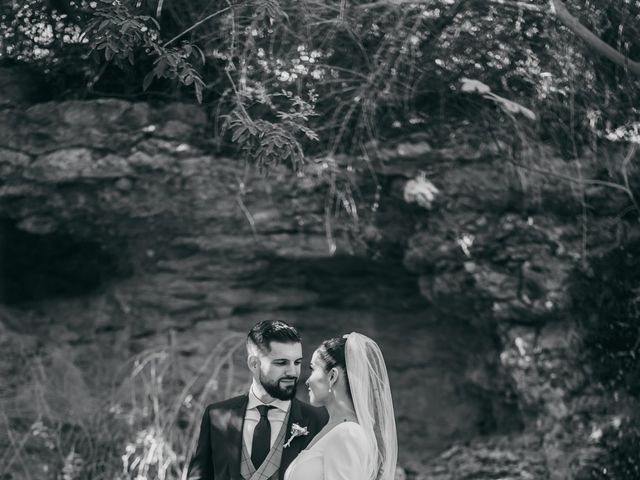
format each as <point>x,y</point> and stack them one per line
<point>120,34</point>
<point>622,458</point>
<point>369,63</point>
<point>607,300</point>
<point>172,63</point>
<point>377,70</point>
<point>266,143</point>
<point>143,428</point>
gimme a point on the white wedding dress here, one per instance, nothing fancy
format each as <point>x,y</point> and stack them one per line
<point>342,454</point>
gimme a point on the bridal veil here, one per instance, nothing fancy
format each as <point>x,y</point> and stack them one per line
<point>371,393</point>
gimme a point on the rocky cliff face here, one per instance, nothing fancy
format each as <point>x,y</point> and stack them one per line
<point>123,231</point>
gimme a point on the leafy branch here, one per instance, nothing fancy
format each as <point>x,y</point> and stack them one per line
<point>264,143</point>
<point>120,34</point>
<point>173,63</point>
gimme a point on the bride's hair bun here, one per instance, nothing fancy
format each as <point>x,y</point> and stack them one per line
<point>332,353</point>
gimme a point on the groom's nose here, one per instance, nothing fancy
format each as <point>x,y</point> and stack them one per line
<point>292,370</point>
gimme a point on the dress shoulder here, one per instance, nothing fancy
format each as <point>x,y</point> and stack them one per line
<point>348,431</point>
<point>347,453</point>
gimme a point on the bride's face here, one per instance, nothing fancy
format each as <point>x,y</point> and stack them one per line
<point>318,382</point>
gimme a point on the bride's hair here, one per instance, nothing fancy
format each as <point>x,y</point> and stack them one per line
<point>332,354</point>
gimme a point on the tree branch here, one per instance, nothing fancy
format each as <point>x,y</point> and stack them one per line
<point>200,22</point>
<point>560,10</point>
<point>563,14</point>
<point>520,5</point>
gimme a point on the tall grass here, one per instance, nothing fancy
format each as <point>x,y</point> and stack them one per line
<point>143,426</point>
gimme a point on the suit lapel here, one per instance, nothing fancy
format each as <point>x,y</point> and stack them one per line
<point>292,451</point>
<point>234,435</point>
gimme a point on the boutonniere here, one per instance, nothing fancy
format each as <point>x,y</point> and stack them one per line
<point>296,431</point>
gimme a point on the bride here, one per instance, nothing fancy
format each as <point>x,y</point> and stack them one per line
<point>349,378</point>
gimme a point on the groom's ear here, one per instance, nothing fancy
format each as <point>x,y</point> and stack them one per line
<point>253,356</point>
<point>253,362</point>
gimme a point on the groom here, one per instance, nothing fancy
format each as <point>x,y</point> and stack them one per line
<point>244,437</point>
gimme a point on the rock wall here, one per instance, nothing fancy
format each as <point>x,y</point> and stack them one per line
<point>124,230</point>
<point>499,246</point>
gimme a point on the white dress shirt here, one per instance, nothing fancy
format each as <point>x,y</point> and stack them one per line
<point>252,416</point>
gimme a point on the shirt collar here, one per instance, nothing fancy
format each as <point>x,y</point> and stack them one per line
<point>254,401</point>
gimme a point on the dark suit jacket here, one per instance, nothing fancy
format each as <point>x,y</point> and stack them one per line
<point>219,450</point>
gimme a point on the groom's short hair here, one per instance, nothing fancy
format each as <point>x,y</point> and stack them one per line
<point>267,331</point>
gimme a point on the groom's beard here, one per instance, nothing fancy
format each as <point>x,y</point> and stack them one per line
<point>276,390</point>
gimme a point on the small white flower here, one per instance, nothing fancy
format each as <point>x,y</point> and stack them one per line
<point>465,242</point>
<point>596,435</point>
<point>421,191</point>
<point>296,431</point>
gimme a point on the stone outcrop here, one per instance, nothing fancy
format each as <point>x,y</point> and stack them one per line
<point>460,270</point>
<point>124,231</point>
<point>502,254</point>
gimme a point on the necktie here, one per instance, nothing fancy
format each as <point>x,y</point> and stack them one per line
<point>261,443</point>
